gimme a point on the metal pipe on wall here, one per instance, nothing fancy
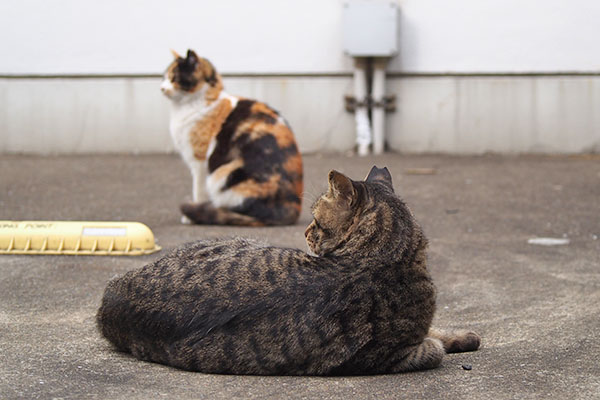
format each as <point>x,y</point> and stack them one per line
<point>378,104</point>
<point>361,114</point>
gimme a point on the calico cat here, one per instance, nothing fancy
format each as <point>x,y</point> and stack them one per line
<point>245,163</point>
<point>363,304</point>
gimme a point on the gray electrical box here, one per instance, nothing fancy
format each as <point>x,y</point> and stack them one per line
<point>370,28</point>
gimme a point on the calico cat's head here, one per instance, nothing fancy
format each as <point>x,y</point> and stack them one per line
<point>191,75</point>
<point>362,218</point>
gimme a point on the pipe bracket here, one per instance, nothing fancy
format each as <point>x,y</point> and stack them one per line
<point>387,102</point>
<point>352,104</point>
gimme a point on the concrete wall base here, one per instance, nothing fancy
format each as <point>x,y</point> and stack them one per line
<point>447,114</point>
<point>509,114</point>
<point>123,115</point>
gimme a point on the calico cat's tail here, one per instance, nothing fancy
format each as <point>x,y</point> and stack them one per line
<point>253,213</point>
<point>207,214</point>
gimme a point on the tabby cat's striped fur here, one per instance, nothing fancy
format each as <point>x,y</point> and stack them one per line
<point>363,304</point>
<point>245,164</point>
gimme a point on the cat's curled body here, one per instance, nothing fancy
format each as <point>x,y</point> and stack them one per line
<point>245,164</point>
<point>362,305</point>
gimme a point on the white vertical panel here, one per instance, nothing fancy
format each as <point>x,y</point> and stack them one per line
<point>84,115</point>
<point>123,115</point>
<point>474,115</point>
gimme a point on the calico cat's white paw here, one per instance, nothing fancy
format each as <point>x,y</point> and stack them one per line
<point>185,220</point>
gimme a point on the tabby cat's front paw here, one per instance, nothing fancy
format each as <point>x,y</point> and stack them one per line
<point>185,220</point>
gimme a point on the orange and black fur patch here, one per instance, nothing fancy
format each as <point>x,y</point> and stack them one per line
<point>245,150</point>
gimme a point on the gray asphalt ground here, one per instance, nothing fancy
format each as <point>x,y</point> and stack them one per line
<point>537,308</point>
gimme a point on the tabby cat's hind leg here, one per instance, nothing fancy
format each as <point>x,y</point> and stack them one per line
<point>207,214</point>
<point>427,355</point>
<point>456,341</point>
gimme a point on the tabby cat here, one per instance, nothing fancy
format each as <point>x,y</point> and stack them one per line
<point>363,304</point>
<point>245,163</point>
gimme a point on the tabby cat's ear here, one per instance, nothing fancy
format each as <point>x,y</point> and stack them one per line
<point>340,186</point>
<point>381,175</point>
<point>175,54</point>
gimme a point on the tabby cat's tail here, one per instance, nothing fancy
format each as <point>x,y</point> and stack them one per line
<point>456,341</point>
<point>207,214</point>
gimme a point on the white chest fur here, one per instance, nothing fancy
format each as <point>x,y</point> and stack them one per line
<point>185,115</point>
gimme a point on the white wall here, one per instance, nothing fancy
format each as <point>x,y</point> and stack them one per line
<point>254,42</point>
<point>134,36</point>
<point>499,36</point>
<point>290,36</point>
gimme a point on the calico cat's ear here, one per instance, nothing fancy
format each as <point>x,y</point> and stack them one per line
<point>191,58</point>
<point>340,186</point>
<point>175,54</point>
<point>381,175</point>
<point>209,72</point>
